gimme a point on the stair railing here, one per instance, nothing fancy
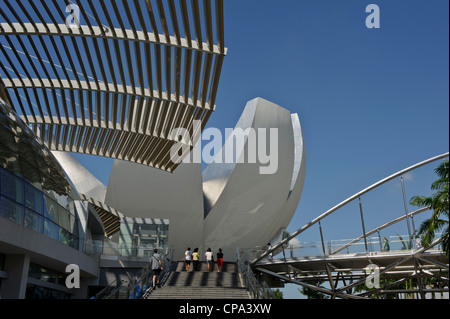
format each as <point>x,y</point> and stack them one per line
<point>111,290</point>
<point>167,263</point>
<point>258,289</point>
<point>141,285</point>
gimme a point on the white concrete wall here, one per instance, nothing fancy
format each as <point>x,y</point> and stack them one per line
<point>250,209</point>
<point>141,191</point>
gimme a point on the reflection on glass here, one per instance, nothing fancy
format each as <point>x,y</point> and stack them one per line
<point>139,239</point>
<point>33,221</point>
<point>11,187</point>
<point>33,198</point>
<point>63,218</point>
<point>34,191</point>
<point>11,210</point>
<point>50,209</point>
<point>24,155</point>
<point>51,229</point>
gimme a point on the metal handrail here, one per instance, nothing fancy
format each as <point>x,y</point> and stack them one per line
<point>140,285</point>
<point>257,288</point>
<point>146,278</point>
<point>419,211</point>
<point>109,290</point>
<point>347,201</point>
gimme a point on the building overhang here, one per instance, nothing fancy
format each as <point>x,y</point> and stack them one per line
<point>127,80</point>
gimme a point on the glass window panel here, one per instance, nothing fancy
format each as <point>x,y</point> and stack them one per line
<point>12,165</point>
<point>38,293</point>
<point>76,242</point>
<point>51,209</point>
<point>73,241</point>
<point>33,221</point>
<point>10,210</point>
<point>64,220</point>
<point>33,198</point>
<point>8,155</point>
<point>63,200</point>
<point>64,236</point>
<point>31,173</point>
<point>33,271</point>
<point>8,141</point>
<point>51,229</point>
<point>11,186</point>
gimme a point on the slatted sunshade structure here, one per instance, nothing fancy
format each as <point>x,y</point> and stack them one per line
<point>113,78</point>
<point>110,217</point>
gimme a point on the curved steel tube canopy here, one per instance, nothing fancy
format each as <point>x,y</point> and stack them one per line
<point>112,78</point>
<point>345,202</point>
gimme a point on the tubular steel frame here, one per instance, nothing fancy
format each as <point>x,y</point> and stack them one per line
<point>398,266</point>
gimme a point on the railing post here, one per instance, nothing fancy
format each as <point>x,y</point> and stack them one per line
<point>413,225</point>
<point>362,222</point>
<point>321,237</point>
<point>379,237</point>
<point>406,210</point>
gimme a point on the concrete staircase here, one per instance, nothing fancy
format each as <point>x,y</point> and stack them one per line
<point>202,284</point>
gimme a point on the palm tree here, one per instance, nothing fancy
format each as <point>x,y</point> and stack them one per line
<point>439,203</point>
<point>278,294</point>
<point>313,294</point>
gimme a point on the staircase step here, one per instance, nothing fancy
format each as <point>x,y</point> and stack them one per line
<point>199,293</point>
<point>227,267</point>
<point>203,279</point>
<point>202,284</point>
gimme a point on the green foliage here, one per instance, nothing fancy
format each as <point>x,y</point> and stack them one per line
<point>439,203</point>
<point>278,294</point>
<point>313,294</point>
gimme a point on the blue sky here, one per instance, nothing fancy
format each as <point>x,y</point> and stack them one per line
<point>371,101</point>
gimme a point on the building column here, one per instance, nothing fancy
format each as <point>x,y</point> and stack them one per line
<point>16,285</point>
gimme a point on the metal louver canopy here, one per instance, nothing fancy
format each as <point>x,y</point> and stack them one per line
<point>118,82</point>
<point>110,217</point>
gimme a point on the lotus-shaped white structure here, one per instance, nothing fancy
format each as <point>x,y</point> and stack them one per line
<point>246,201</point>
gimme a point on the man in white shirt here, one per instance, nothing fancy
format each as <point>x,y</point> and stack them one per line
<point>188,258</point>
<point>209,259</point>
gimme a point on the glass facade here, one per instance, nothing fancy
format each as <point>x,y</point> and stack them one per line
<point>34,191</point>
<point>45,275</point>
<point>139,238</point>
<point>2,266</point>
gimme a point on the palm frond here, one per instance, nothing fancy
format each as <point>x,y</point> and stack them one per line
<point>439,203</point>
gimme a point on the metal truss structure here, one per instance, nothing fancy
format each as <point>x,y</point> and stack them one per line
<point>113,78</point>
<point>368,271</point>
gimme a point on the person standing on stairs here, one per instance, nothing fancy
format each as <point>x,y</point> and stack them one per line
<point>157,267</point>
<point>188,258</point>
<point>195,259</point>
<point>220,260</point>
<point>209,259</point>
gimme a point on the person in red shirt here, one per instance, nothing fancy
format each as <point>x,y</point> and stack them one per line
<point>220,260</point>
